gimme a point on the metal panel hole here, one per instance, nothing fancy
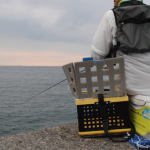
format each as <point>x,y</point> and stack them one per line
<point>69,69</point>
<point>116,66</point>
<point>106,88</point>
<point>117,87</point>
<point>95,89</point>
<point>82,69</point>
<point>93,68</point>
<point>117,77</point>
<point>83,80</point>
<point>94,79</point>
<point>105,94</point>
<point>74,89</point>
<point>105,67</point>
<point>106,78</point>
<point>84,90</point>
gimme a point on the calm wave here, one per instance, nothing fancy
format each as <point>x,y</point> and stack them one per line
<point>52,108</point>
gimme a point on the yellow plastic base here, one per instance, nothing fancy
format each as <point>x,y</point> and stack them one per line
<point>141,120</point>
<point>102,132</point>
<point>111,99</point>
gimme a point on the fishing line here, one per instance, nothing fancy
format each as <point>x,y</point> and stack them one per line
<point>18,113</point>
<point>44,91</point>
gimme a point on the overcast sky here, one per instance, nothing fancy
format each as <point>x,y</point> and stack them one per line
<point>48,32</point>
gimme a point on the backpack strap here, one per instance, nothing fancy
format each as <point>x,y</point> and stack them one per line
<point>131,3</point>
<point>135,2</point>
<point>112,52</point>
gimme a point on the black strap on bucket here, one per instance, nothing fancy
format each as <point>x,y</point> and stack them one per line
<point>105,120</point>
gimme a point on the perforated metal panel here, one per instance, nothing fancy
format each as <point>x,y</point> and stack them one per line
<point>70,75</point>
<point>102,77</point>
<point>83,79</point>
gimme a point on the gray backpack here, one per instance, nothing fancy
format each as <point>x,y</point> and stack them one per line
<point>133,28</point>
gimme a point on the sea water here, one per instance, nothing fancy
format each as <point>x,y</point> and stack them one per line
<point>54,107</point>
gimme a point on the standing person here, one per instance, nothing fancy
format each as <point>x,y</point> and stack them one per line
<point>137,65</point>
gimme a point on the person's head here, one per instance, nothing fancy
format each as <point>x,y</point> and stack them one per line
<point>116,2</point>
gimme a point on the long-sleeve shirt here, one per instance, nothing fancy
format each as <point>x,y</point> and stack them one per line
<point>137,65</point>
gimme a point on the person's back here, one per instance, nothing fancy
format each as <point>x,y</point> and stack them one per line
<point>137,65</point>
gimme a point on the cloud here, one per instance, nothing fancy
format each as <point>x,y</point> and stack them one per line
<point>45,27</point>
<point>54,20</point>
<point>65,20</point>
<point>34,13</point>
<point>27,52</point>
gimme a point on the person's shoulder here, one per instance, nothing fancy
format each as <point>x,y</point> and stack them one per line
<point>109,15</point>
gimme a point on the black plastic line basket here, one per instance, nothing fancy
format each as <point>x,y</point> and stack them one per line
<point>89,116</point>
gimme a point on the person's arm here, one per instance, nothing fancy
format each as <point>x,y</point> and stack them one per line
<point>96,56</point>
<point>102,41</point>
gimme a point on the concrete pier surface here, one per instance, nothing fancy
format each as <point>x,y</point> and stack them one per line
<point>64,137</point>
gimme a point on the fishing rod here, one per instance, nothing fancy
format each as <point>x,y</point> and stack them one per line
<point>44,91</point>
